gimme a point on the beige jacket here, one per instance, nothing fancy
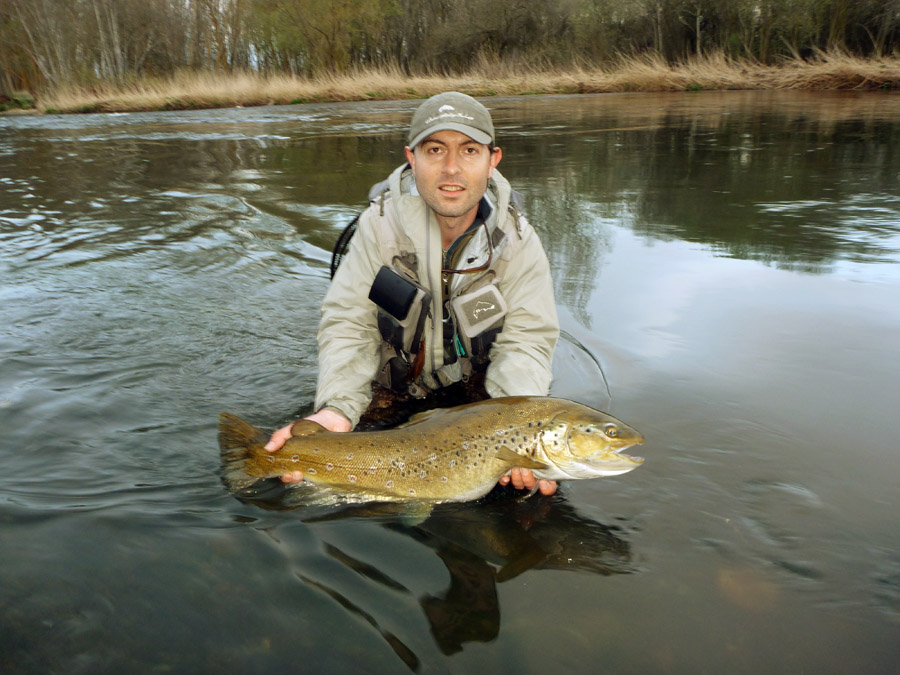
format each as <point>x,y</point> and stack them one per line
<point>399,230</point>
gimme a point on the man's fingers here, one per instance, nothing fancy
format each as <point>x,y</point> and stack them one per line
<point>278,438</point>
<point>547,487</point>
<point>292,477</point>
<point>523,479</point>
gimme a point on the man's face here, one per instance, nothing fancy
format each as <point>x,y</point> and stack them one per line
<point>452,172</point>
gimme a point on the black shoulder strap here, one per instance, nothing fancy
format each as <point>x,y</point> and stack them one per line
<point>343,243</point>
<point>376,193</point>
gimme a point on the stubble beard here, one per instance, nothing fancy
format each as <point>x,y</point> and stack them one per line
<point>444,210</point>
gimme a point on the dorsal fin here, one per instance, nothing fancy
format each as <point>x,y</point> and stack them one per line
<point>306,428</point>
<point>418,418</point>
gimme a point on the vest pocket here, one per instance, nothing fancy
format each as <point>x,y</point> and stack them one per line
<point>402,307</point>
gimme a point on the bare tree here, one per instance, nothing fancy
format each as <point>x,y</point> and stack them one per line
<point>58,42</point>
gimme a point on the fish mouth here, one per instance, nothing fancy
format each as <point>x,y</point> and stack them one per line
<point>634,459</point>
<point>637,440</point>
<point>621,454</point>
<point>606,462</point>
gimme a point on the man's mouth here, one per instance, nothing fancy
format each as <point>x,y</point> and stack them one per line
<point>451,188</point>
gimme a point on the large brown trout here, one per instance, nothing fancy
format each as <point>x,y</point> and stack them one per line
<point>443,455</point>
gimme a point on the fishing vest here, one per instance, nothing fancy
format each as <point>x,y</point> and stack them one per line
<point>466,312</point>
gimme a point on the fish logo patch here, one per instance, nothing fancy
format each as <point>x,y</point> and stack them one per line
<point>446,111</point>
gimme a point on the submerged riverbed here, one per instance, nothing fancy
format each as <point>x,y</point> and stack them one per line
<point>727,268</point>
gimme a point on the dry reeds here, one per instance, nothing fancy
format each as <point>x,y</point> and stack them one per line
<point>489,77</point>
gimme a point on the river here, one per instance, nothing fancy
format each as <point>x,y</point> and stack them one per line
<point>727,270</point>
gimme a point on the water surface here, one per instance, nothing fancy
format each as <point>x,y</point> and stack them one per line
<point>727,267</point>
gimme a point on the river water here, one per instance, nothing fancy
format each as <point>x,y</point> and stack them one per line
<point>727,269</point>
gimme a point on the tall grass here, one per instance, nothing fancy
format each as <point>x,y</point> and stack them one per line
<point>489,77</point>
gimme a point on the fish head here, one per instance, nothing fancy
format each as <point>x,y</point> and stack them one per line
<point>587,443</point>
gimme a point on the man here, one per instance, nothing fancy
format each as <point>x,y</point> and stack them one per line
<point>444,283</point>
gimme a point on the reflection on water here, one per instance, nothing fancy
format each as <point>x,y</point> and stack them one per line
<point>797,183</point>
<point>482,545</point>
<point>726,266</point>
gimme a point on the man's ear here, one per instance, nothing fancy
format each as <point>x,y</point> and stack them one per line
<point>496,156</point>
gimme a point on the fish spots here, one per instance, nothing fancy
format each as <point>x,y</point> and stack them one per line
<point>351,478</point>
<point>443,479</point>
<point>452,463</point>
<point>465,446</point>
<point>329,466</point>
<point>270,459</point>
<point>389,484</point>
<point>411,491</point>
<point>432,456</point>
<point>349,455</point>
<point>312,471</point>
<point>423,473</point>
<point>295,458</point>
<point>316,451</point>
<point>372,470</point>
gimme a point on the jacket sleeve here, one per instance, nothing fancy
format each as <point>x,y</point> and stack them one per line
<point>348,337</point>
<point>522,354</point>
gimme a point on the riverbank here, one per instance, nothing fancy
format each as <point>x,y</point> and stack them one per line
<point>193,90</point>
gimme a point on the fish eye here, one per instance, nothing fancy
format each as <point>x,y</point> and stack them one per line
<point>612,432</point>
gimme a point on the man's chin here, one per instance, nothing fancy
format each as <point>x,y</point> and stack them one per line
<point>450,208</point>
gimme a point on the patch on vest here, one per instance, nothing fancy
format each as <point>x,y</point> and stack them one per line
<point>479,310</point>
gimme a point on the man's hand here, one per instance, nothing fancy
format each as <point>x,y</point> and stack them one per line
<point>523,479</point>
<point>329,419</point>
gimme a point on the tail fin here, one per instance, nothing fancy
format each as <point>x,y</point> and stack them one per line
<point>235,438</point>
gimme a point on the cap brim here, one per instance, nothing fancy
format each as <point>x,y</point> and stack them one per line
<point>475,134</point>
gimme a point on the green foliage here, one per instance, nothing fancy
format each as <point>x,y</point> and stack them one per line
<point>16,101</point>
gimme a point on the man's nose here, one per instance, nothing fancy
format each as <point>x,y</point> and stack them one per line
<point>451,163</point>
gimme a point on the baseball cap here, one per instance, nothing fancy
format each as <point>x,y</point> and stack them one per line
<point>451,111</point>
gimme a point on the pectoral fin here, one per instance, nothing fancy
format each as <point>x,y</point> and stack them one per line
<point>513,458</point>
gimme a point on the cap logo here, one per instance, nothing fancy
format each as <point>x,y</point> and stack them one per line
<point>447,111</point>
